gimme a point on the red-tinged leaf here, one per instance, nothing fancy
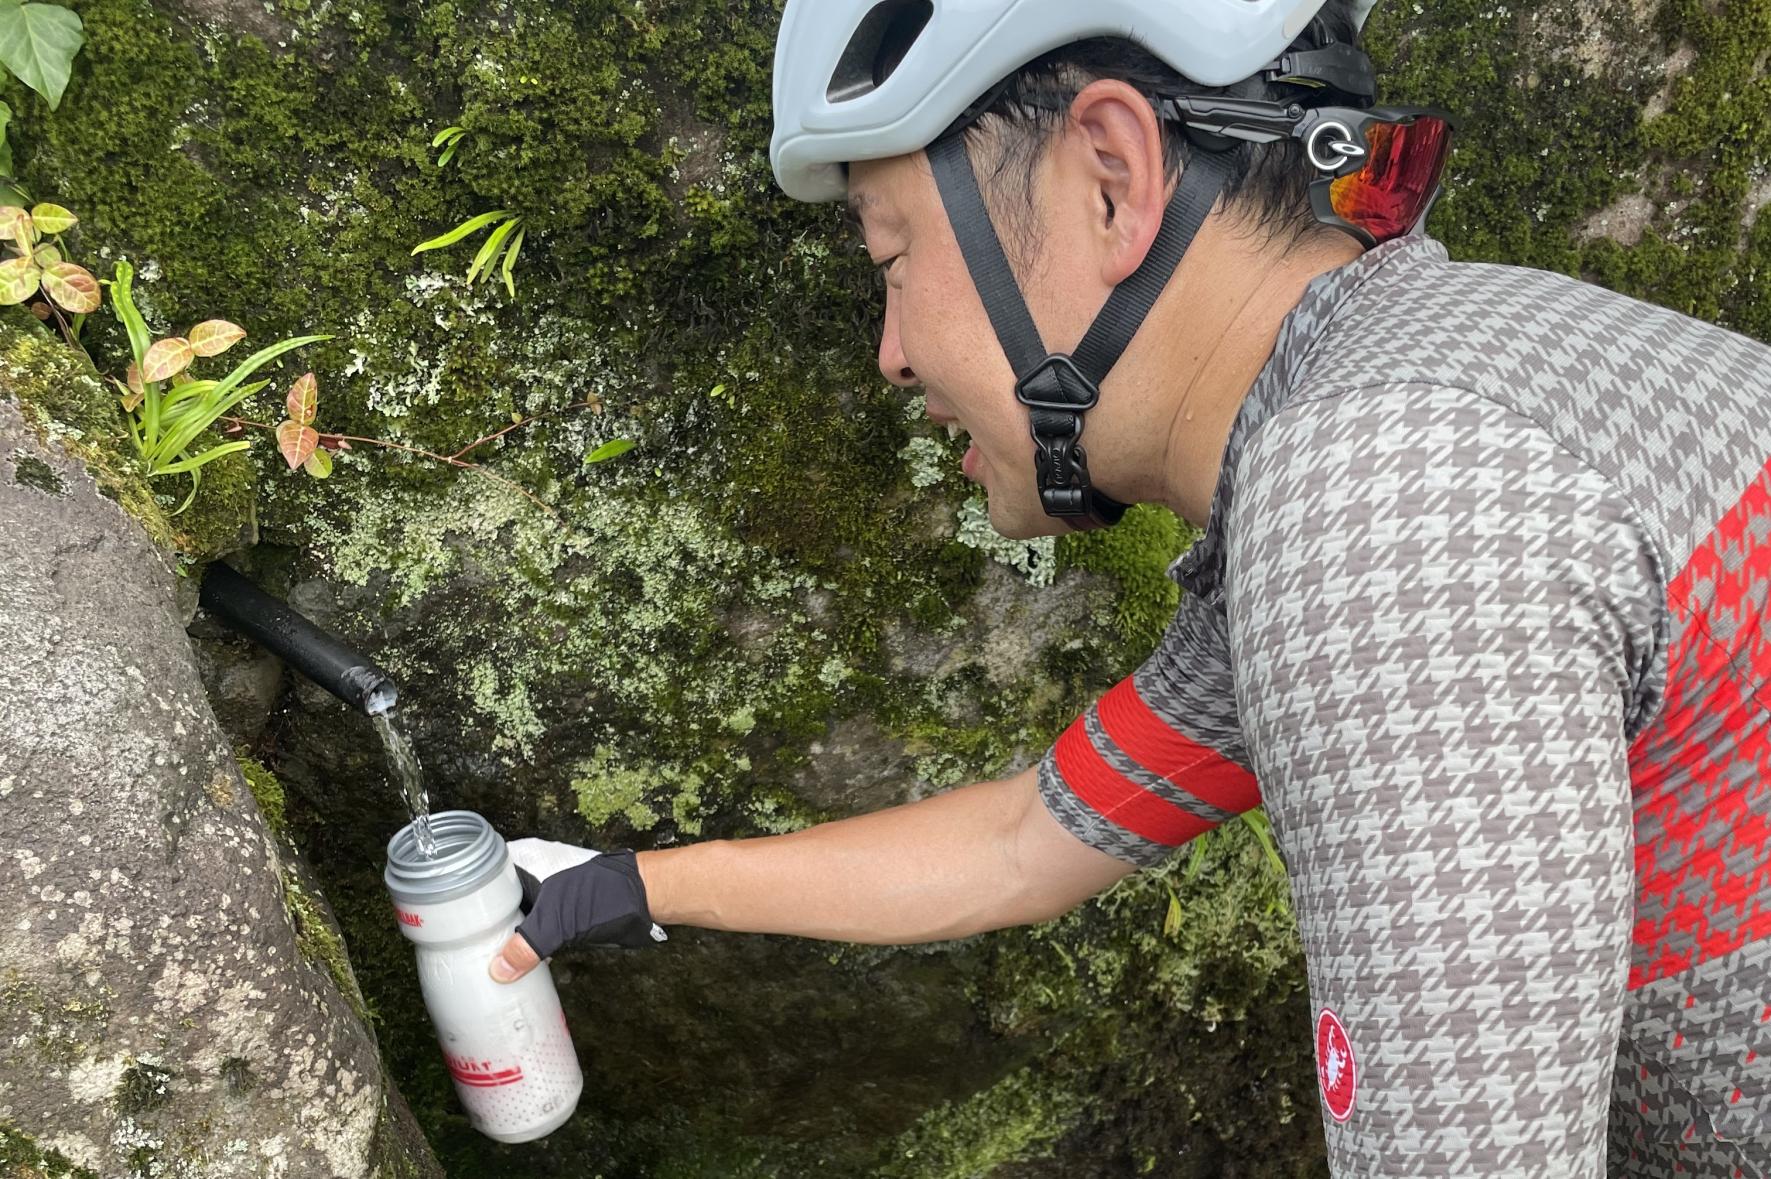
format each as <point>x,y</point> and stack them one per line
<point>304,399</point>
<point>296,442</point>
<point>233,429</point>
<point>15,226</point>
<point>318,464</point>
<point>131,397</point>
<point>212,337</point>
<point>133,376</point>
<point>19,280</point>
<point>334,442</point>
<point>166,357</point>
<point>73,287</point>
<point>40,309</point>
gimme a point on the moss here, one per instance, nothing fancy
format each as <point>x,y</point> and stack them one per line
<point>1018,1118</point>
<point>319,943</point>
<point>59,1028</point>
<point>31,471</point>
<point>22,1158</point>
<point>144,1086</point>
<point>266,790</point>
<point>1136,553</point>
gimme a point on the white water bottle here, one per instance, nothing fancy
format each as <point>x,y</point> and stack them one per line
<point>506,1044</point>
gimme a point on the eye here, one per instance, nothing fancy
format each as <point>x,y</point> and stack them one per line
<point>882,269</point>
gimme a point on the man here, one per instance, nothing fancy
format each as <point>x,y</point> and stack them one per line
<point>1479,614</point>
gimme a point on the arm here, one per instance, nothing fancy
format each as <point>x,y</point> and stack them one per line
<point>976,858</point>
<point>973,859</point>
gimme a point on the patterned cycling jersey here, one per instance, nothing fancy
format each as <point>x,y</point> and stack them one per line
<point>1482,608</point>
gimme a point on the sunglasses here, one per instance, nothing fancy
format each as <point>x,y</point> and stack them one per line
<point>1378,168</point>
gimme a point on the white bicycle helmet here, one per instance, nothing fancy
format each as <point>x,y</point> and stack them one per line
<point>871,79</point>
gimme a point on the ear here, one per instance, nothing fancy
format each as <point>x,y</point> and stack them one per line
<point>1119,142</point>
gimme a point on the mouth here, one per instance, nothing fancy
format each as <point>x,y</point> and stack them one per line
<point>970,465</point>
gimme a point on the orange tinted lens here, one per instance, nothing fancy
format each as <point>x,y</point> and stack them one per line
<point>1386,197</point>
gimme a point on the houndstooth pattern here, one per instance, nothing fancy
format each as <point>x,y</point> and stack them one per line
<point>1483,600</point>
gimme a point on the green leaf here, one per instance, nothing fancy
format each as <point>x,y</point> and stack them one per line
<point>445,133</point>
<point>448,153</point>
<point>471,225</point>
<point>318,464</point>
<point>19,280</point>
<point>1171,924</point>
<point>53,218</point>
<point>38,43</point>
<point>124,302</point>
<point>510,261</point>
<point>609,450</point>
<point>494,242</point>
<point>197,460</point>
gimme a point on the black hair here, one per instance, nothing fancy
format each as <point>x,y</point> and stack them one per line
<point>1268,189</point>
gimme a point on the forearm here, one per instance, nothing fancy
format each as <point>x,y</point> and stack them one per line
<point>943,867</point>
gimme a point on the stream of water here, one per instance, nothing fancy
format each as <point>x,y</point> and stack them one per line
<point>410,776</point>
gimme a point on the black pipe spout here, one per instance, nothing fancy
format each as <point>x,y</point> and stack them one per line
<point>321,657</point>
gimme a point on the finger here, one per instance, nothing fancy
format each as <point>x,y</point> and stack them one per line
<point>516,959</point>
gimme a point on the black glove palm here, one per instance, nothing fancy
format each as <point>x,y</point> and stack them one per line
<point>575,895</point>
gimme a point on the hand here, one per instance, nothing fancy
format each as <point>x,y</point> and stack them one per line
<point>573,894</point>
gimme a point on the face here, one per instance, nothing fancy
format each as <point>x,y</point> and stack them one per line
<point>937,336</point>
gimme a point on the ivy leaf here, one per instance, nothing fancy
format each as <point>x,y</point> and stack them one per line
<point>38,43</point>
<point>5,147</point>
<point>168,356</point>
<point>609,450</point>
<point>304,399</point>
<point>318,464</point>
<point>72,287</point>
<point>52,218</point>
<point>297,442</point>
<point>19,280</point>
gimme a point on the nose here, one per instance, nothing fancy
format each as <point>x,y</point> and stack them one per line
<point>892,361</point>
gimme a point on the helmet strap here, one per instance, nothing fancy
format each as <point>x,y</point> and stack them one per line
<point>1059,388</point>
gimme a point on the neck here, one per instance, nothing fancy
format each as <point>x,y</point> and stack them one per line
<point>1186,374</point>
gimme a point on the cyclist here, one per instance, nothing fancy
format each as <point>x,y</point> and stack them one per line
<point>1479,612</point>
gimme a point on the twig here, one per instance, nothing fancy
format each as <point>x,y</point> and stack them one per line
<point>594,403</point>
<point>451,460</point>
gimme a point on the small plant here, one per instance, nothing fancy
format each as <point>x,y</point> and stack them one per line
<point>167,408</point>
<point>300,443</point>
<point>506,238</point>
<point>450,136</point>
<point>38,267</point>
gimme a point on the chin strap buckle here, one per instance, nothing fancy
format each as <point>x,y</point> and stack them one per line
<point>1057,393</point>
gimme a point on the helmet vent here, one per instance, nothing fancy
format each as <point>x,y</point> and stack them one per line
<point>881,41</point>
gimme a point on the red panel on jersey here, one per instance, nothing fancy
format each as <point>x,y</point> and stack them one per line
<point>1198,769</point>
<point>1701,770</point>
<point>1122,802</point>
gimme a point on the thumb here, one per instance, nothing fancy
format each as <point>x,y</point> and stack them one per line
<point>516,959</point>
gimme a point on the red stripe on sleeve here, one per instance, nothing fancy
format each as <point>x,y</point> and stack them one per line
<point>1198,769</point>
<point>1117,800</point>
